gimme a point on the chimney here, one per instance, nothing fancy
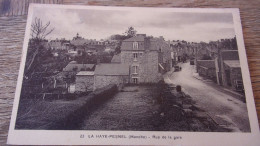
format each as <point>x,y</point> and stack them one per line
<point>161,37</point>
<point>144,35</point>
<point>147,43</point>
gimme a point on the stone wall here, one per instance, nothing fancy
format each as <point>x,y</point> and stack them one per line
<point>84,83</point>
<point>207,72</point>
<point>235,74</point>
<point>105,80</point>
<point>147,66</point>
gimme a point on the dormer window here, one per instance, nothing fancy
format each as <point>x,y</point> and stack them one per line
<point>135,45</point>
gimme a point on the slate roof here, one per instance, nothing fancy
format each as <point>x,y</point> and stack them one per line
<point>85,73</point>
<point>73,62</point>
<point>206,63</point>
<point>116,58</point>
<point>232,63</point>
<point>135,39</point>
<point>112,69</point>
<point>230,54</point>
<point>70,67</point>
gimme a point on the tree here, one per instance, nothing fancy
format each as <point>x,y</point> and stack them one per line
<point>130,32</point>
<point>39,30</point>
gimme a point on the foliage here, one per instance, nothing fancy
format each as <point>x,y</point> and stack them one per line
<point>39,30</point>
<point>36,45</point>
<point>130,32</point>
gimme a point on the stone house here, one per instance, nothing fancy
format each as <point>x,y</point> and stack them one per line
<point>230,69</point>
<point>207,69</point>
<point>181,51</point>
<point>113,73</point>
<point>164,49</point>
<point>143,58</point>
<point>84,81</point>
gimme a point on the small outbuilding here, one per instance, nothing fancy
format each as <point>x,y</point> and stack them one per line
<point>84,81</point>
<point>106,74</point>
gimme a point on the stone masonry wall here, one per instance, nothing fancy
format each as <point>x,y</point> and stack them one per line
<point>147,65</point>
<point>103,81</point>
<point>149,68</point>
<point>235,74</point>
<point>84,83</point>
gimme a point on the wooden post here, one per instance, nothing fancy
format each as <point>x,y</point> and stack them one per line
<point>54,85</point>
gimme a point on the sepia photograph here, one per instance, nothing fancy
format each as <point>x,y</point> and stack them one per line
<point>126,70</point>
<point>131,70</point>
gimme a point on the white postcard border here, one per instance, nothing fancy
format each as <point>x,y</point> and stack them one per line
<point>72,137</point>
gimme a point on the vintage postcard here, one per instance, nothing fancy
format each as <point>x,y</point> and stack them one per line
<point>137,76</point>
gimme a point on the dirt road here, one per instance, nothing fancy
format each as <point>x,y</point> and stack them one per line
<point>222,107</point>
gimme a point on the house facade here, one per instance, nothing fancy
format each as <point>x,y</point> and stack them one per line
<point>230,69</point>
<point>164,50</point>
<point>143,58</point>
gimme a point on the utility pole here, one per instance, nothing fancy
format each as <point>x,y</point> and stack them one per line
<point>196,56</point>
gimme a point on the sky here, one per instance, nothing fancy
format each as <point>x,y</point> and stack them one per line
<point>100,24</point>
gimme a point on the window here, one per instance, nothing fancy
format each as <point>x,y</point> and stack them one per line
<point>135,80</point>
<point>135,45</point>
<point>134,69</point>
<point>135,56</point>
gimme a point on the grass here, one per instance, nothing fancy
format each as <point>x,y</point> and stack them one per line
<point>57,114</point>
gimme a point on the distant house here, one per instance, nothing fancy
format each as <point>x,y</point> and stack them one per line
<point>74,66</point>
<point>207,68</point>
<point>84,81</point>
<point>95,47</point>
<point>106,74</point>
<point>181,51</point>
<point>59,44</point>
<point>72,53</point>
<point>165,50</point>
<point>91,46</point>
<point>79,41</point>
<point>43,43</point>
